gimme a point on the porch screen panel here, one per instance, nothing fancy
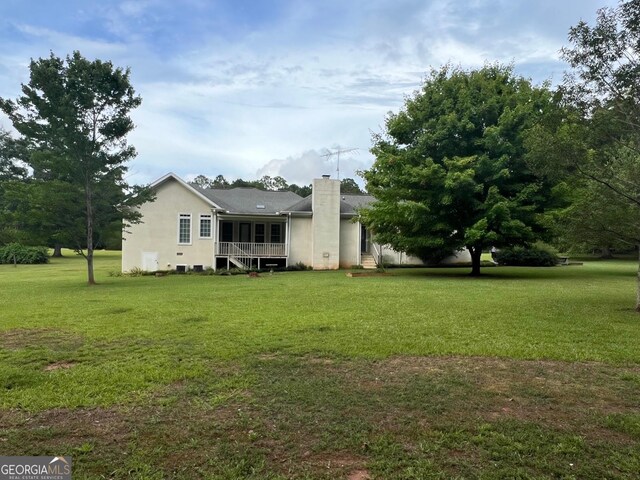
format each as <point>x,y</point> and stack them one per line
<point>276,233</point>
<point>245,232</point>
<point>259,233</point>
<point>226,232</point>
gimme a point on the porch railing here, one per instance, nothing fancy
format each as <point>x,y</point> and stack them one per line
<point>377,256</point>
<point>247,249</point>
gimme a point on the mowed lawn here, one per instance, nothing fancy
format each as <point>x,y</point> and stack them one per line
<point>422,373</point>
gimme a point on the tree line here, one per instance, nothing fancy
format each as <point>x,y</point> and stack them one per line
<point>63,176</point>
<point>266,182</point>
<point>475,159</point>
<point>484,158</point>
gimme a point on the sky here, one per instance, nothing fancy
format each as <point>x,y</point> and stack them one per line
<point>250,88</point>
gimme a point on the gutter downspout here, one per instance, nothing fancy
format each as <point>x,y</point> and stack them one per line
<point>215,236</point>
<point>288,238</point>
<point>359,246</point>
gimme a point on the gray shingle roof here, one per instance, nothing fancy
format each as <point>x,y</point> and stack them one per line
<point>248,200</point>
<point>302,206</point>
<point>348,204</point>
<point>358,200</point>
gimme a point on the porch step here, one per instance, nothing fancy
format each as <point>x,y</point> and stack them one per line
<point>238,263</point>
<point>367,261</point>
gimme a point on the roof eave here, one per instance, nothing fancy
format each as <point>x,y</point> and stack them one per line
<point>252,214</point>
<point>172,175</point>
<point>299,214</point>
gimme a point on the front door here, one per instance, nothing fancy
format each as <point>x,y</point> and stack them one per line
<point>365,239</point>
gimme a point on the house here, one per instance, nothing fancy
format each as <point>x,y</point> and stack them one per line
<point>188,228</point>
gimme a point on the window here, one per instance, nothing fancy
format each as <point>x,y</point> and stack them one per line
<point>276,233</point>
<point>184,229</point>
<point>205,226</point>
<point>259,234</point>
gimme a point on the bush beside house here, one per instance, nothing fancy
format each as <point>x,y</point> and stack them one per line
<point>18,253</point>
<point>526,257</point>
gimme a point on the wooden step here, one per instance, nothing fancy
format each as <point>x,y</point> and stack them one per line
<point>368,262</point>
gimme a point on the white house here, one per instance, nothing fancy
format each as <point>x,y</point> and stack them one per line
<point>188,228</point>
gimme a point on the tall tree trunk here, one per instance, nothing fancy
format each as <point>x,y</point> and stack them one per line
<point>476,253</point>
<point>605,252</point>
<point>57,251</point>
<point>638,288</point>
<point>90,278</point>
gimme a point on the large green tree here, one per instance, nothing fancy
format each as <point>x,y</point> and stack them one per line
<point>12,176</point>
<point>11,154</point>
<point>598,219</point>
<point>598,145</point>
<point>73,116</point>
<point>37,212</point>
<point>450,171</point>
<point>349,185</point>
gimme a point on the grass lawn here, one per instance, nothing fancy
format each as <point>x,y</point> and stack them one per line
<point>423,373</point>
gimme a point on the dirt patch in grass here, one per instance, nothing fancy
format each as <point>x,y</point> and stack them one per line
<point>439,405</point>
<point>326,418</point>
<point>51,338</point>
<point>560,394</point>
<point>59,366</point>
<point>337,464</point>
<point>359,475</point>
<point>367,274</point>
<point>63,429</point>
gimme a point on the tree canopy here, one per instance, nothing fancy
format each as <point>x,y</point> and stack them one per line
<point>73,118</point>
<point>349,185</point>
<point>597,146</point>
<point>266,182</point>
<point>450,170</point>
<point>11,155</point>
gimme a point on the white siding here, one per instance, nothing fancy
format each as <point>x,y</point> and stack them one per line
<point>159,231</point>
<point>391,257</point>
<point>349,243</point>
<point>300,246</point>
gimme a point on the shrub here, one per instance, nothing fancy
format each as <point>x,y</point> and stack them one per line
<point>298,267</point>
<point>547,248</point>
<point>18,253</point>
<point>526,257</point>
<point>135,272</point>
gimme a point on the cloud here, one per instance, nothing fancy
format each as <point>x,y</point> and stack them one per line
<point>250,91</point>
<point>303,168</point>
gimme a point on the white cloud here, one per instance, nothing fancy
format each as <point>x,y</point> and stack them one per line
<point>240,96</point>
<point>303,168</point>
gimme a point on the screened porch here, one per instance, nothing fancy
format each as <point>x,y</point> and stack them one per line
<point>254,239</point>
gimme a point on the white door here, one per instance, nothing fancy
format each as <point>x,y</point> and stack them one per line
<point>150,261</point>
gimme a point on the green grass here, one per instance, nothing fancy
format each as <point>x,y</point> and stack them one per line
<point>424,373</point>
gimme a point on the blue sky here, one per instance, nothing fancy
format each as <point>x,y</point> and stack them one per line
<point>250,88</point>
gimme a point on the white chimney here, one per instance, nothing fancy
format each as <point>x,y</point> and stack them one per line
<point>325,227</point>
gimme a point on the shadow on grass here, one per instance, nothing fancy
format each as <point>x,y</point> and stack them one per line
<point>518,273</point>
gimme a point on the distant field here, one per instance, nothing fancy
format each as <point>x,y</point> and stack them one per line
<point>423,373</point>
